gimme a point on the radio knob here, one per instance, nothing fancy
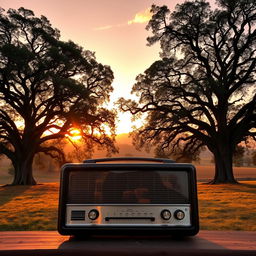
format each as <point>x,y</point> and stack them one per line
<point>166,214</point>
<point>93,214</point>
<point>179,214</point>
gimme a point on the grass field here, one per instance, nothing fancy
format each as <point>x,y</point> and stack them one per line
<point>221,207</point>
<point>204,174</point>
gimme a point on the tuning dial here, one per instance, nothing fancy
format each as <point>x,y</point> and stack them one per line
<point>179,214</point>
<point>93,214</point>
<point>166,214</point>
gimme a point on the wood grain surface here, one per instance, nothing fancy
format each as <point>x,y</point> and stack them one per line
<point>51,243</point>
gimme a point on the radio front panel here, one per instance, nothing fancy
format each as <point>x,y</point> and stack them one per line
<point>126,197</point>
<point>131,215</point>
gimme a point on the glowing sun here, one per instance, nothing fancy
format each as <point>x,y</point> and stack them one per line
<point>74,134</point>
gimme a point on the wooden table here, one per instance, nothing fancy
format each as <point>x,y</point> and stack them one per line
<point>206,243</point>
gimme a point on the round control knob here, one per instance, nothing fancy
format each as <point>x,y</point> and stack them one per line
<point>179,215</point>
<point>166,214</point>
<point>93,214</point>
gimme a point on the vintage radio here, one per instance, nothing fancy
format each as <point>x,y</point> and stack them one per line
<point>127,196</point>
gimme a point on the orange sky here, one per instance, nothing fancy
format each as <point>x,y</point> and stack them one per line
<point>114,29</point>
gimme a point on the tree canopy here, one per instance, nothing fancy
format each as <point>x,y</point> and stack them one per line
<point>47,87</point>
<point>202,92</point>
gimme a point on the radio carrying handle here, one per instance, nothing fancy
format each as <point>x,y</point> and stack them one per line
<point>139,159</point>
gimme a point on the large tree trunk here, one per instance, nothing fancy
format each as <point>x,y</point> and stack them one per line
<point>23,170</point>
<point>223,155</point>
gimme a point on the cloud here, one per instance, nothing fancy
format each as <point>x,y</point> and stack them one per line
<point>141,17</point>
<point>109,27</point>
<point>104,27</point>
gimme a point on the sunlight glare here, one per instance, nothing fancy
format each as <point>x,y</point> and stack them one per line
<point>125,123</point>
<point>74,134</point>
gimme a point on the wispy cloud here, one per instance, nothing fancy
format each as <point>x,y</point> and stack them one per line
<point>140,17</point>
<point>104,27</point>
<point>110,27</point>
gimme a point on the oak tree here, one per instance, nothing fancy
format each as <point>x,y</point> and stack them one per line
<point>47,87</point>
<point>202,92</point>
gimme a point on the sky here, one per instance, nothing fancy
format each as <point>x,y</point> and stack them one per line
<point>113,29</point>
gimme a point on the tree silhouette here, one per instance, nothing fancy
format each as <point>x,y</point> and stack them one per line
<point>202,91</point>
<point>47,86</point>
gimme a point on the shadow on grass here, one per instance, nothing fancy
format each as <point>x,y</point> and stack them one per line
<point>249,185</point>
<point>242,187</point>
<point>7,193</point>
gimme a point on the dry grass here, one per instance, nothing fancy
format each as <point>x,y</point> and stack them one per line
<point>222,207</point>
<point>228,207</point>
<point>29,207</point>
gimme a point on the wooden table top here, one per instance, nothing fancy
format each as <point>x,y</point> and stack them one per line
<point>51,243</point>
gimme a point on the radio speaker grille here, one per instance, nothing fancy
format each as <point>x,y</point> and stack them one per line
<point>127,187</point>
